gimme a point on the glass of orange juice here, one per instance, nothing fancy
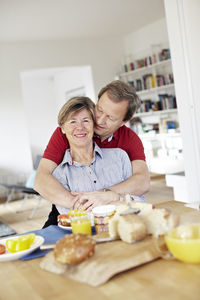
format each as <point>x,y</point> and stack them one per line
<point>81,224</point>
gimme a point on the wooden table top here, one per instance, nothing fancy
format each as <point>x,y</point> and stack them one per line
<point>159,279</point>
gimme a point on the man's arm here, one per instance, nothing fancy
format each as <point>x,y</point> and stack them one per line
<point>138,184</point>
<point>49,187</point>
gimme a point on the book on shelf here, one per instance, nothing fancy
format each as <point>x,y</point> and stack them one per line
<point>146,106</point>
<point>148,81</point>
<point>167,125</point>
<point>166,101</point>
<point>164,54</point>
<point>139,86</point>
<point>160,80</point>
<point>146,61</point>
<point>170,78</point>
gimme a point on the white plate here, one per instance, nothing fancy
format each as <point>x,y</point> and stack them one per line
<point>39,240</point>
<point>65,227</point>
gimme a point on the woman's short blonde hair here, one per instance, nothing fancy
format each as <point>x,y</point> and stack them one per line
<point>74,105</point>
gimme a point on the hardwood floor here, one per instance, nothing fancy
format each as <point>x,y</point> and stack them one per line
<point>20,222</point>
<point>159,191</point>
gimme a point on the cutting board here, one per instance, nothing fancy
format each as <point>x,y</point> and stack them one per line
<point>110,258</point>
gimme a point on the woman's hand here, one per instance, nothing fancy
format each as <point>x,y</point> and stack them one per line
<point>86,201</point>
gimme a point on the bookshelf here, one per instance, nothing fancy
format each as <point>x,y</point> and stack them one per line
<point>152,78</point>
<point>157,113</point>
<point>156,89</point>
<point>154,84</point>
<point>147,68</point>
<point>156,121</point>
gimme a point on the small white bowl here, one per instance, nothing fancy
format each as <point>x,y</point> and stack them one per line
<point>103,210</point>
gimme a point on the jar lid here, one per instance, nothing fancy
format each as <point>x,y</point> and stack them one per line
<point>103,210</point>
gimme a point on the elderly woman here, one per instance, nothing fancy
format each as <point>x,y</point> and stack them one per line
<point>85,166</point>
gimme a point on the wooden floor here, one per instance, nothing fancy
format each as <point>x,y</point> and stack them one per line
<point>20,222</point>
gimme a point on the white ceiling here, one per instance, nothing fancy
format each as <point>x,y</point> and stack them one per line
<point>25,20</point>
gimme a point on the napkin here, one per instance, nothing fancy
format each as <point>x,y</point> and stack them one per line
<point>51,234</point>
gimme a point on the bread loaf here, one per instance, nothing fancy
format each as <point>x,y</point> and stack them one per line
<point>74,248</point>
<point>131,228</point>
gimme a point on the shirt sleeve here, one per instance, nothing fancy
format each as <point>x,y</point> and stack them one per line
<point>56,147</point>
<point>133,146</point>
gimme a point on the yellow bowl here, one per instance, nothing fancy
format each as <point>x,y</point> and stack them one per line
<point>184,243</point>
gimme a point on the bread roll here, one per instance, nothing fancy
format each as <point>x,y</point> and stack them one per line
<point>158,221</point>
<point>131,228</point>
<point>74,248</point>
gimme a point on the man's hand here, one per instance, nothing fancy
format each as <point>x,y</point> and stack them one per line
<point>86,201</point>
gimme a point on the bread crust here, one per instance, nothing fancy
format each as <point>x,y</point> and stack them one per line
<point>74,248</point>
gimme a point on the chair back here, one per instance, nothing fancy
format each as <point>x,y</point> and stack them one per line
<point>37,161</point>
<point>31,178</point>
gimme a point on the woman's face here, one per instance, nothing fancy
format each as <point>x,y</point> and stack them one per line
<point>79,128</point>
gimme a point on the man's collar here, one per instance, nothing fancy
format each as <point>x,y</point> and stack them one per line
<point>113,136</point>
<point>109,139</point>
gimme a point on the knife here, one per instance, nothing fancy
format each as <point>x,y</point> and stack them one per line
<point>97,240</point>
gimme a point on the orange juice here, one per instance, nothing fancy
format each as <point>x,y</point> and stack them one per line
<point>81,225</point>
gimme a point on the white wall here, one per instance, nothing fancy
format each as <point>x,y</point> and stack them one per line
<point>103,55</point>
<point>67,80</point>
<point>44,93</point>
<point>139,43</point>
<point>40,109</point>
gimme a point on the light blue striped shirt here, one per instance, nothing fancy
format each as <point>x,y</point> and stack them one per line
<point>110,166</point>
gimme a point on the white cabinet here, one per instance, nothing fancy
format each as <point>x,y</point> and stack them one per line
<point>163,152</point>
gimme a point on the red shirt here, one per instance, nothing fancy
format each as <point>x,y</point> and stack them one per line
<point>124,138</point>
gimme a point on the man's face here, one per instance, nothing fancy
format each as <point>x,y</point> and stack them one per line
<point>109,116</point>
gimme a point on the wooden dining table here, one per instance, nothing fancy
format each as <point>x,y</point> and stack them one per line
<point>159,279</point>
